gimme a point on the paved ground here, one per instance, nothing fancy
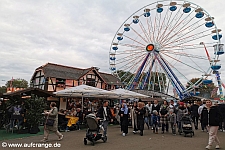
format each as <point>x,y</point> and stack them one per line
<point>74,141</point>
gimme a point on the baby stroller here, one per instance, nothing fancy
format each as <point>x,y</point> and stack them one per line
<point>187,127</point>
<point>94,130</point>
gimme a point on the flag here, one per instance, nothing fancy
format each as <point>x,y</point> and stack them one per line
<point>214,91</point>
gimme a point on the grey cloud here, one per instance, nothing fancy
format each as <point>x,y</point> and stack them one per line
<point>74,32</point>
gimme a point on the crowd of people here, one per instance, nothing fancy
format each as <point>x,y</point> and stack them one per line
<point>164,117</point>
<point>168,117</point>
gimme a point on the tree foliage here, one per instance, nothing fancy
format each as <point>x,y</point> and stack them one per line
<point>202,88</point>
<point>156,81</point>
<point>35,106</point>
<point>17,83</point>
<point>3,89</point>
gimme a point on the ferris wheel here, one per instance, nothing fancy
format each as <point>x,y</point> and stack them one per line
<point>164,45</point>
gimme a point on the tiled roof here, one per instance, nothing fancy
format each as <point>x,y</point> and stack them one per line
<point>67,72</point>
<point>110,79</point>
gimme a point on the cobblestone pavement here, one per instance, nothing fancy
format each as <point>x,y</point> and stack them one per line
<point>74,141</point>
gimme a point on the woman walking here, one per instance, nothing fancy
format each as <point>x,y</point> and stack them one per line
<point>124,119</point>
<point>211,117</point>
<point>140,117</point>
<point>134,117</point>
<point>52,116</point>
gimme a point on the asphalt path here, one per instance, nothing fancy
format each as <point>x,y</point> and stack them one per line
<point>74,141</point>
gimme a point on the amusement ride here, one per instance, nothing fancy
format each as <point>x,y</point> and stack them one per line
<point>165,44</point>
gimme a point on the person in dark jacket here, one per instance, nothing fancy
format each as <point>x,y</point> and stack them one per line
<point>105,113</point>
<point>62,120</point>
<point>222,110</point>
<point>124,118</point>
<point>140,117</point>
<point>80,115</point>
<point>194,114</point>
<point>211,117</point>
<point>163,113</point>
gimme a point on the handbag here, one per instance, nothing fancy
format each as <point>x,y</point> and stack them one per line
<point>50,122</point>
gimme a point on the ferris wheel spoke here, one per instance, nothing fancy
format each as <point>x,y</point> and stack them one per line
<point>171,38</point>
<point>169,23</point>
<point>155,24</point>
<point>131,45</point>
<point>180,72</point>
<point>184,54</point>
<point>184,47</point>
<point>134,40</point>
<point>158,26</point>
<point>194,38</point>
<point>183,63</point>
<point>172,29</point>
<point>164,32</point>
<point>132,60</point>
<point>149,30</point>
<point>182,29</point>
<point>130,51</point>
<point>144,31</point>
<point>143,38</point>
<point>184,21</point>
<point>162,24</point>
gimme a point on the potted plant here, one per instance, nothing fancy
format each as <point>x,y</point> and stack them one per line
<point>35,108</point>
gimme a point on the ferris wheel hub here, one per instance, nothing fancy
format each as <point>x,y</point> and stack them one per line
<point>153,47</point>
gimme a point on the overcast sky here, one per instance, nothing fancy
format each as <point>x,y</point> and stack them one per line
<point>70,32</point>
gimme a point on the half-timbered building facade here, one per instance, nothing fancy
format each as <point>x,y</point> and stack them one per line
<point>54,77</point>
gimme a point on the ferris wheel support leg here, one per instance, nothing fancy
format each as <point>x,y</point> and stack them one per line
<point>219,84</point>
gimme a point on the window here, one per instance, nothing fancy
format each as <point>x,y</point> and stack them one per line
<point>90,80</point>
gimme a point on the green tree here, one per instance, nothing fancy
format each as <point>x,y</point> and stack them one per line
<point>17,83</point>
<point>157,79</point>
<point>204,89</point>
<point>35,106</point>
<point>3,89</point>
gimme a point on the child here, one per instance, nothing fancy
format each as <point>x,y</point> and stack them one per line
<point>155,120</point>
<point>172,121</point>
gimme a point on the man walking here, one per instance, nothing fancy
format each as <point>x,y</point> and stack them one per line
<point>105,113</point>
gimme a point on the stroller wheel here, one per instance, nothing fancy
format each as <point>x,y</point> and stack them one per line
<point>93,143</point>
<point>85,141</point>
<point>104,139</point>
<point>193,133</point>
<point>184,134</point>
